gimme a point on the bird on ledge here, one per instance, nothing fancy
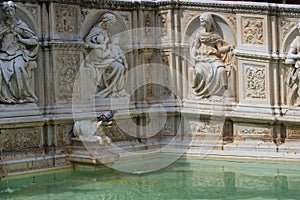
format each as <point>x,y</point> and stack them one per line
<point>105,118</point>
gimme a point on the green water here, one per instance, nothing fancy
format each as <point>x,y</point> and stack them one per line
<point>192,179</point>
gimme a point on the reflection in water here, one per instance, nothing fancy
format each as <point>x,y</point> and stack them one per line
<point>196,179</point>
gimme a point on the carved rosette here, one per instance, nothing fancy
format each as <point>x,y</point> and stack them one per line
<point>255,78</point>
<point>67,66</point>
<point>252,31</point>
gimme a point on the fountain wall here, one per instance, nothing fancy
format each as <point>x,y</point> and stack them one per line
<point>257,114</point>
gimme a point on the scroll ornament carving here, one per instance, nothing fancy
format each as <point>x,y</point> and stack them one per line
<point>106,59</point>
<point>65,18</point>
<point>256,82</point>
<point>293,60</point>
<point>252,31</point>
<point>212,56</point>
<point>17,58</point>
<point>67,70</point>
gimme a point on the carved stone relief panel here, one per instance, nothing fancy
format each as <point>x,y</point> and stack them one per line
<point>63,134</point>
<point>252,32</point>
<point>32,9</point>
<point>165,23</point>
<point>85,13</point>
<point>65,22</point>
<point>293,132</point>
<point>255,82</point>
<point>252,130</point>
<point>203,127</point>
<point>286,26</point>
<point>187,18</point>
<point>21,138</point>
<point>67,65</point>
<point>126,18</point>
<point>169,127</point>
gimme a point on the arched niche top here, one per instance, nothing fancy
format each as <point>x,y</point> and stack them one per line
<point>25,16</point>
<point>224,29</point>
<point>289,39</point>
<point>117,27</point>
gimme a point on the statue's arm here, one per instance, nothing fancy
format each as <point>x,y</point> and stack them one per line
<point>293,54</point>
<point>33,40</point>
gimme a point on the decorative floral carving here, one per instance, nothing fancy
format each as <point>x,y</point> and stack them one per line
<point>252,30</point>
<point>65,18</point>
<point>286,25</point>
<point>256,83</point>
<point>67,65</point>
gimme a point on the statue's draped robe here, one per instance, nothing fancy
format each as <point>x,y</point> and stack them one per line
<point>108,72</point>
<point>16,63</point>
<point>210,72</point>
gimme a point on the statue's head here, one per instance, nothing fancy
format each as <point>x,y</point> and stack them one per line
<point>108,18</point>
<point>207,21</point>
<point>9,9</point>
<point>8,4</point>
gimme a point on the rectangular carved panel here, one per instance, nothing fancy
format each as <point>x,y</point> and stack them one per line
<point>255,81</point>
<point>21,138</point>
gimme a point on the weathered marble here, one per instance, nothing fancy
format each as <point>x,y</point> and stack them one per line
<point>145,68</point>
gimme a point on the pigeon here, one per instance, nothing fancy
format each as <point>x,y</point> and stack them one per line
<point>106,117</point>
